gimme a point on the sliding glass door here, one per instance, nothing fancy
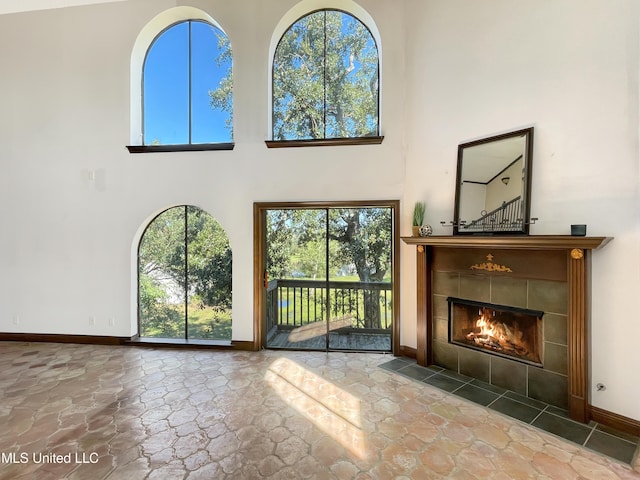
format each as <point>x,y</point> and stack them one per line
<point>329,278</point>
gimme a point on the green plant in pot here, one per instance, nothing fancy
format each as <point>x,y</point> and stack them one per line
<point>418,217</point>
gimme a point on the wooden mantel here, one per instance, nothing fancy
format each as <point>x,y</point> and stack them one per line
<point>578,252</point>
<point>533,242</point>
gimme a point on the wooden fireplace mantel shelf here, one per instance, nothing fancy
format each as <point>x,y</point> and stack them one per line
<point>531,242</point>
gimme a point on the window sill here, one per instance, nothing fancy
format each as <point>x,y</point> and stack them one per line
<point>196,147</point>
<point>179,342</point>
<point>325,142</point>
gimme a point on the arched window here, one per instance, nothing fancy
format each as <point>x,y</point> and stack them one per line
<point>184,277</point>
<point>187,94</point>
<point>325,79</point>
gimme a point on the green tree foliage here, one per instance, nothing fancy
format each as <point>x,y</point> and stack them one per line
<point>161,253</point>
<point>280,243</point>
<point>209,259</point>
<point>184,263</point>
<point>156,311</point>
<point>297,247</point>
<point>360,241</point>
<point>364,236</point>
<point>325,79</point>
<point>222,97</point>
<point>311,259</point>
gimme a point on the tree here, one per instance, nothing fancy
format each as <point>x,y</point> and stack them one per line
<point>296,240</point>
<point>184,252</point>
<point>364,236</point>
<point>360,240</point>
<point>209,259</point>
<point>222,97</point>
<point>279,243</point>
<point>325,79</point>
<point>161,253</point>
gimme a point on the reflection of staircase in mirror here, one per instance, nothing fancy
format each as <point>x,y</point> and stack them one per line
<point>506,217</point>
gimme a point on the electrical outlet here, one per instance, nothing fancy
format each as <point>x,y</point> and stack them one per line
<point>92,320</point>
<point>112,321</point>
<point>16,319</point>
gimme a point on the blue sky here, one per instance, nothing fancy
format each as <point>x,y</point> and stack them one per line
<point>166,87</point>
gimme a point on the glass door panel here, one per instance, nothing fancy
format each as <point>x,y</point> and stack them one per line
<point>360,273</point>
<point>296,272</point>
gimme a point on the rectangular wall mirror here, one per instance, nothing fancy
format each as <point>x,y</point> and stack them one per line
<point>493,185</point>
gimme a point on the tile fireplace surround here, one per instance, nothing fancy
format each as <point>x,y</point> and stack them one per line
<point>547,273</point>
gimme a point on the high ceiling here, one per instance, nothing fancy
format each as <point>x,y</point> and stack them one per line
<point>14,6</point>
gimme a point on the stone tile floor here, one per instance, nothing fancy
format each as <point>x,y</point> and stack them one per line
<point>600,438</point>
<point>107,412</point>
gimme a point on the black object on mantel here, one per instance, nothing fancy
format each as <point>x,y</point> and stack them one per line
<point>578,230</point>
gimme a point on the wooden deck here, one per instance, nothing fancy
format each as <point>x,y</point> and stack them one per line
<point>356,341</point>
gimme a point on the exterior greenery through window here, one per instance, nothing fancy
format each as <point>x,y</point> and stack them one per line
<point>325,79</point>
<point>187,86</point>
<point>184,271</point>
<point>337,245</point>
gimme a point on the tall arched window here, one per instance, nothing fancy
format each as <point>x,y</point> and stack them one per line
<point>325,79</point>
<point>187,93</point>
<point>184,277</point>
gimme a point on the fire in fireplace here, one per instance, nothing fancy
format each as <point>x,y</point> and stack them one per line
<point>510,332</point>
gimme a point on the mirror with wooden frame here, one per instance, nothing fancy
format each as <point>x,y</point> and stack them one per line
<point>493,185</point>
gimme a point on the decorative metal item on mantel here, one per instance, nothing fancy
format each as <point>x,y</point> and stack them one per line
<point>493,185</point>
<point>425,230</point>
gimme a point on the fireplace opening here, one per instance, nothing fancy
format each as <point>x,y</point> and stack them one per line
<point>511,332</point>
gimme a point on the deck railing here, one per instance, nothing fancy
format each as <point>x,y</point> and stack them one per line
<point>295,303</point>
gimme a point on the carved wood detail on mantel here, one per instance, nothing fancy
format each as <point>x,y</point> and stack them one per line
<point>578,253</point>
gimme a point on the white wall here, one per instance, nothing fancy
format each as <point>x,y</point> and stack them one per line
<point>67,252</point>
<point>570,69</point>
<point>453,70</point>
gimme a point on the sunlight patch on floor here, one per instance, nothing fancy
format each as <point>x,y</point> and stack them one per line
<point>316,329</point>
<point>331,409</point>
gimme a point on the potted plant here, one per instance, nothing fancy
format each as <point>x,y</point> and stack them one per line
<point>418,217</point>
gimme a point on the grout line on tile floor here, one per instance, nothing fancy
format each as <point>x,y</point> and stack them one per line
<point>593,429</point>
<point>537,416</point>
<point>502,395</point>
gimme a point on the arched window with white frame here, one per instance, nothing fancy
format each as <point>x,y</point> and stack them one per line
<point>325,79</point>
<point>186,84</point>
<point>184,277</point>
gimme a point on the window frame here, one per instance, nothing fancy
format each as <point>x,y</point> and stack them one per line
<point>260,260</point>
